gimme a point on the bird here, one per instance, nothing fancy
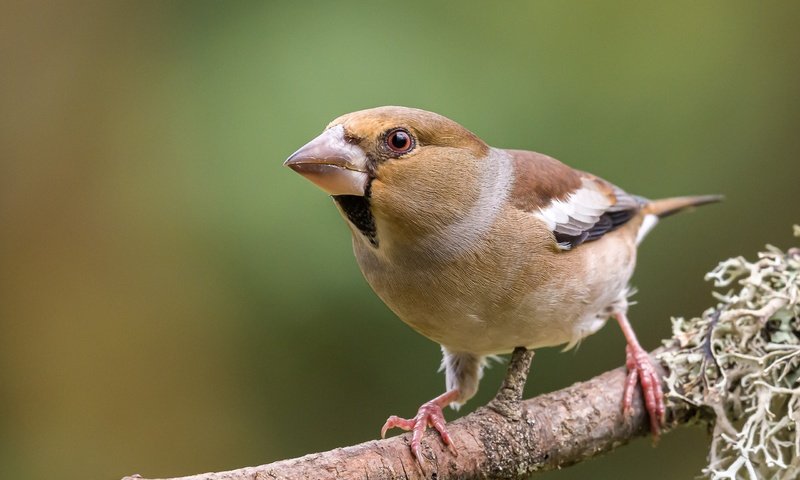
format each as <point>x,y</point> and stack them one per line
<point>481,249</point>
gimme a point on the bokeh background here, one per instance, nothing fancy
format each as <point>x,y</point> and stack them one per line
<point>173,300</point>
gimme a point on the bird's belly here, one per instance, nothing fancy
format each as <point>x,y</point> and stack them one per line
<point>471,321</point>
<point>543,319</point>
<point>469,310</point>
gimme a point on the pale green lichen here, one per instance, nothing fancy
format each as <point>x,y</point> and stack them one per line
<point>739,364</point>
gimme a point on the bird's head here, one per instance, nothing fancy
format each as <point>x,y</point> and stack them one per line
<point>399,174</point>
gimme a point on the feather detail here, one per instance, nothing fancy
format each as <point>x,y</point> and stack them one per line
<point>576,206</point>
<point>667,206</point>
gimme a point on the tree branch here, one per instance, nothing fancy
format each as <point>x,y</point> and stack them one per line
<point>550,431</point>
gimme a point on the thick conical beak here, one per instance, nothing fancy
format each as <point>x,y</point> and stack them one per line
<point>333,164</point>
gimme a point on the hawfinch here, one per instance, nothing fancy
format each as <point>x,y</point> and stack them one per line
<point>482,249</point>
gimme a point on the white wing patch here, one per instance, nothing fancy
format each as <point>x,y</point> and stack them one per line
<point>577,213</point>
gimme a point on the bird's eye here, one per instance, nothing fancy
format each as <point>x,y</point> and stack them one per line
<point>399,141</point>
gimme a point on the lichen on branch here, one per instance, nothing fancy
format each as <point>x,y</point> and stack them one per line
<point>739,364</point>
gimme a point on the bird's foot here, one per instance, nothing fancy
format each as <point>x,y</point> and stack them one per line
<point>641,369</point>
<point>429,414</point>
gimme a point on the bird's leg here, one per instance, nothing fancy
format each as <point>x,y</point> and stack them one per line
<point>508,398</point>
<point>462,374</point>
<point>640,367</point>
<point>429,414</point>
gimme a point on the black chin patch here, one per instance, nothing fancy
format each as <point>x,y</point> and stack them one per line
<point>358,212</point>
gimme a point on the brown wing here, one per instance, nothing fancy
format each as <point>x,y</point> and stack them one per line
<point>578,207</point>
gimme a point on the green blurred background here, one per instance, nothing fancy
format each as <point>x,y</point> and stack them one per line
<point>173,300</point>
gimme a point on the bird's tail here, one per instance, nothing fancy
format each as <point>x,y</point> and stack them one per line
<point>667,206</point>
<point>657,209</point>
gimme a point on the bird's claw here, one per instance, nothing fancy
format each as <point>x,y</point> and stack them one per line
<point>640,367</point>
<point>429,414</point>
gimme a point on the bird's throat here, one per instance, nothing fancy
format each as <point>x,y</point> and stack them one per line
<point>357,210</point>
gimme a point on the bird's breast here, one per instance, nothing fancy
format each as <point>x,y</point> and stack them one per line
<point>513,289</point>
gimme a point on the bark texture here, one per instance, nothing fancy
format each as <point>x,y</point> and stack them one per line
<point>549,431</point>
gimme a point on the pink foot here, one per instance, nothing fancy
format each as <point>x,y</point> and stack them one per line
<point>429,414</point>
<point>641,369</point>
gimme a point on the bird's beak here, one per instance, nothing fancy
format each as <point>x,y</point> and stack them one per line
<point>333,164</point>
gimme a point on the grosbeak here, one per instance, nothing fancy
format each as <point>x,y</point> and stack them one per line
<point>483,249</point>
